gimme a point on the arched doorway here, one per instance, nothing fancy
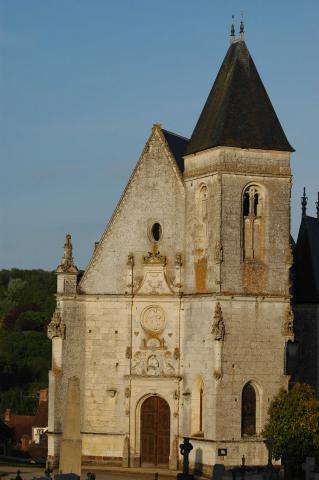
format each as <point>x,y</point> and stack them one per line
<point>155,432</point>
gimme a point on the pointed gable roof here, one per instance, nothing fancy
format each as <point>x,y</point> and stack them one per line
<point>238,111</point>
<point>306,261</point>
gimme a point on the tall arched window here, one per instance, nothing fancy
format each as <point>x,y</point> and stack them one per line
<point>203,195</point>
<point>248,410</point>
<point>252,223</point>
<point>198,408</point>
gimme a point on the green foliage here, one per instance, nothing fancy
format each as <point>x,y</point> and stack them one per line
<point>294,423</point>
<point>20,401</point>
<point>26,306</point>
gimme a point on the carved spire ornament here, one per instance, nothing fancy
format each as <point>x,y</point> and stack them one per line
<point>288,327</point>
<point>232,30</point>
<point>304,201</point>
<point>56,327</point>
<point>218,329</point>
<point>67,265</point>
<point>241,28</point>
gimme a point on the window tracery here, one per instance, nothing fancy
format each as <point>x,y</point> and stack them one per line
<point>252,223</point>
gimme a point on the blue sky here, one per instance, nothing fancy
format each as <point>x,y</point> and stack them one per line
<point>82,82</point>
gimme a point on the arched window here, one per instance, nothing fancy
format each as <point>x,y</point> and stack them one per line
<point>252,223</point>
<point>203,195</point>
<point>248,410</point>
<point>198,408</point>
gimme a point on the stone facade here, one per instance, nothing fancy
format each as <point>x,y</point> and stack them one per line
<point>189,316</point>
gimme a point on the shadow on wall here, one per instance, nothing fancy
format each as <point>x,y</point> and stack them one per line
<point>218,471</point>
<point>198,468</point>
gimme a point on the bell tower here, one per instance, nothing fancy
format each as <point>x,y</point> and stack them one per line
<point>237,250</point>
<point>238,178</point>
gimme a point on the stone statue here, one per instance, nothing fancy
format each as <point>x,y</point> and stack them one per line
<point>218,329</point>
<point>56,327</point>
<point>67,264</point>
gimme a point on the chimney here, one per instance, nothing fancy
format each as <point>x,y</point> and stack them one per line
<point>43,395</point>
<point>7,415</point>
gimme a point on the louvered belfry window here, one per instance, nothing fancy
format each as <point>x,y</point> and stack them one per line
<point>252,224</point>
<point>248,410</point>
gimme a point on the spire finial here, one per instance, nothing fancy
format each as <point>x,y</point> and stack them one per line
<point>317,206</point>
<point>304,201</point>
<point>232,30</point>
<point>242,27</point>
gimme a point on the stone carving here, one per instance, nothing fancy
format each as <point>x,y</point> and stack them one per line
<point>128,352</point>
<point>178,260</point>
<point>56,327</point>
<point>168,368</point>
<point>70,285</point>
<point>67,265</point>
<point>130,260</point>
<point>153,343</point>
<point>176,353</point>
<point>154,279</point>
<point>176,282</point>
<point>218,252</point>
<point>217,374</point>
<point>156,364</point>
<point>153,319</point>
<point>218,329</point>
<point>153,365</point>
<point>127,392</point>
<point>137,365</point>
<point>154,283</point>
<point>154,257</point>
<point>288,323</point>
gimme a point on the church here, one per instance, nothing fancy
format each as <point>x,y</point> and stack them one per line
<point>180,323</point>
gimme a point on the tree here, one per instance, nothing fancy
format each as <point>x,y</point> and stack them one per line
<point>26,305</point>
<point>294,423</point>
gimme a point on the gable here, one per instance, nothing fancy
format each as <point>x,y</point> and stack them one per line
<point>154,193</point>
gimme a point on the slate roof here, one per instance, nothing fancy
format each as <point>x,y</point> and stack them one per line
<point>177,145</point>
<point>238,111</point>
<point>306,262</point>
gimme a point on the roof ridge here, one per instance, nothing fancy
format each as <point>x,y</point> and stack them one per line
<point>176,134</point>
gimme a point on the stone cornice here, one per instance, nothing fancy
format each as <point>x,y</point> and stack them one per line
<point>238,161</point>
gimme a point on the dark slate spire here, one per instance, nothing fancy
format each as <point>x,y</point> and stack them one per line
<point>304,201</point>
<point>317,206</point>
<point>238,111</point>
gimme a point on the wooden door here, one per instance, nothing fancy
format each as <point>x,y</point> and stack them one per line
<point>155,432</point>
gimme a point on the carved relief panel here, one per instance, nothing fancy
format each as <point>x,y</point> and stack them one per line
<point>154,356</point>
